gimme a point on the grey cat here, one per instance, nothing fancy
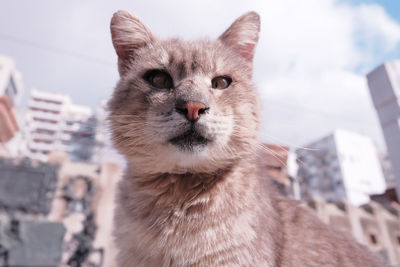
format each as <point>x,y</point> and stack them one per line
<point>186,116</point>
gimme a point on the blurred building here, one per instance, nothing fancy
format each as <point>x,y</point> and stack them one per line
<point>387,170</point>
<point>85,205</point>
<point>27,237</point>
<point>10,80</point>
<point>372,225</point>
<point>10,91</point>
<point>342,166</point>
<point>57,213</point>
<point>54,123</point>
<point>384,86</point>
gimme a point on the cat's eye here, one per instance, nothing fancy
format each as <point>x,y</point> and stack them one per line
<point>159,79</point>
<point>221,82</point>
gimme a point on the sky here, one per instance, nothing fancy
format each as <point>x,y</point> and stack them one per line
<point>310,63</point>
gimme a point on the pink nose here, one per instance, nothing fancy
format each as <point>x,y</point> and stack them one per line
<point>192,110</point>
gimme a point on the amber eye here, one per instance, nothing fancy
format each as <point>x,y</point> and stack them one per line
<point>221,82</point>
<point>159,79</point>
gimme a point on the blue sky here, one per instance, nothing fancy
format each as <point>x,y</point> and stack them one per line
<point>392,7</point>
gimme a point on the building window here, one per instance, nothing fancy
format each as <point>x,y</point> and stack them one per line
<point>11,90</point>
<point>373,239</point>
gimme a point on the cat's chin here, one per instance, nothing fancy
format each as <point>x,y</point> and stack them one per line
<point>190,141</point>
<point>172,159</point>
<point>198,159</point>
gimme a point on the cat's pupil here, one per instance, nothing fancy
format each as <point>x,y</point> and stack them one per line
<point>221,82</point>
<point>159,79</point>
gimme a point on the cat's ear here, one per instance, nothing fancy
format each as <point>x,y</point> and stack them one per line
<point>128,34</point>
<point>242,35</point>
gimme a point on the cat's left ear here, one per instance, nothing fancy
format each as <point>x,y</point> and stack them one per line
<point>242,35</point>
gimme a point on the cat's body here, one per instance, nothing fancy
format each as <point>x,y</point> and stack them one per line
<point>230,222</point>
<point>186,116</point>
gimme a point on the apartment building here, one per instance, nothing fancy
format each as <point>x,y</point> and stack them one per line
<point>384,87</point>
<point>10,92</point>
<point>54,123</point>
<point>342,166</point>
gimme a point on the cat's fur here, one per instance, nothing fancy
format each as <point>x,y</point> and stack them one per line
<point>204,205</point>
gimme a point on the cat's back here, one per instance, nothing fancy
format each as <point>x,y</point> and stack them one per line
<point>307,241</point>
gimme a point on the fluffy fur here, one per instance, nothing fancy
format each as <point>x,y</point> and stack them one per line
<point>207,204</point>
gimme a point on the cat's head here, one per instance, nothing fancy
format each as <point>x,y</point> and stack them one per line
<point>184,106</point>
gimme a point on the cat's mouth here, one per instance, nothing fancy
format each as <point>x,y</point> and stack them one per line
<point>189,140</point>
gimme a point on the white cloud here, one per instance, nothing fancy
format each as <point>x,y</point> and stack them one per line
<point>376,27</point>
<point>308,70</point>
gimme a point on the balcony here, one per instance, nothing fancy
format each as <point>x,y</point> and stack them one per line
<point>41,106</point>
<point>42,147</point>
<point>41,115</point>
<point>52,127</point>
<point>43,137</point>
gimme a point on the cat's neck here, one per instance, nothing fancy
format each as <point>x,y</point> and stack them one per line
<point>193,183</point>
<point>181,190</point>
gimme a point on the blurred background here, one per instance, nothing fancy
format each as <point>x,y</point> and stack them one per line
<point>328,73</point>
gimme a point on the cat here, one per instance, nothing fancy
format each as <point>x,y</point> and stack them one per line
<point>186,116</point>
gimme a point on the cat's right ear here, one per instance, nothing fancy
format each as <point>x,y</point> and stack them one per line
<point>242,35</point>
<point>128,34</point>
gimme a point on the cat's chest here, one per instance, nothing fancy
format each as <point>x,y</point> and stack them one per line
<point>202,238</point>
